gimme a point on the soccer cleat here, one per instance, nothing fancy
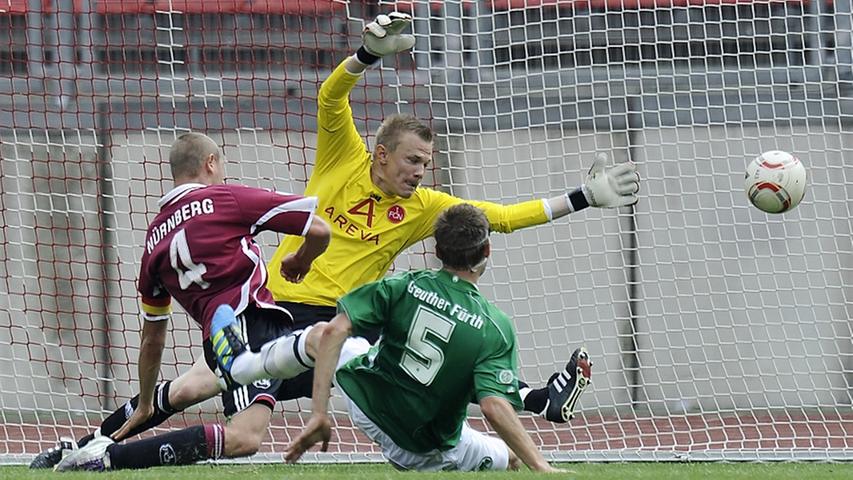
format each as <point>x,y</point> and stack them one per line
<point>50,457</point>
<point>227,344</point>
<point>566,387</point>
<point>92,457</point>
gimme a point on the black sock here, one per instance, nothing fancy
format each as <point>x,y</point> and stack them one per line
<point>535,400</point>
<point>162,411</point>
<point>183,447</point>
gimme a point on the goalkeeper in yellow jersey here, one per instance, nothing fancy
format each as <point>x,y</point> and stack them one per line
<point>376,208</point>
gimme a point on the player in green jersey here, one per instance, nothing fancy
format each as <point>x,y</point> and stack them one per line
<point>442,344</point>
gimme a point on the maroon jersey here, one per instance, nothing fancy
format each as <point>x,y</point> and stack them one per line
<point>200,249</point>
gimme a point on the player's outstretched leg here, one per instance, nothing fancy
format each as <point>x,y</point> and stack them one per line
<point>227,344</point>
<point>181,447</point>
<point>565,388</point>
<point>283,357</point>
<point>50,457</point>
<point>163,409</point>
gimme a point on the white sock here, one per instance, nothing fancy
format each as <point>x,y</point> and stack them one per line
<point>285,357</point>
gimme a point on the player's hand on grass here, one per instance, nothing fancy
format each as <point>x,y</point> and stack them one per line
<point>383,35</point>
<point>319,428</point>
<point>613,186</point>
<point>294,268</point>
<point>140,415</point>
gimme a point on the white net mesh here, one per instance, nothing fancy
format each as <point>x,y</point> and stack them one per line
<point>717,331</point>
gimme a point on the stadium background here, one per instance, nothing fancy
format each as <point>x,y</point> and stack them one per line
<point>718,331</point>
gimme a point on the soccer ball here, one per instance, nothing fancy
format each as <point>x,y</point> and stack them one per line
<point>775,181</point>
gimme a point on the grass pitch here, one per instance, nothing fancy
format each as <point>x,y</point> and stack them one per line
<point>592,471</point>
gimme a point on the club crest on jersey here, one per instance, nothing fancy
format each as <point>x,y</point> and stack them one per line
<point>396,214</point>
<point>505,377</point>
<point>167,454</point>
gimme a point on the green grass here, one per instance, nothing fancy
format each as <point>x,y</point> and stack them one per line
<point>596,471</point>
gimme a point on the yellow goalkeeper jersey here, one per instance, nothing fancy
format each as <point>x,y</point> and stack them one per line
<point>369,228</point>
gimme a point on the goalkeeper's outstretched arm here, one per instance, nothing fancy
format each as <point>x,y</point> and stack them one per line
<point>605,186</point>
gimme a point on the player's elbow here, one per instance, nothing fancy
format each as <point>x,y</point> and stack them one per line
<point>328,99</point>
<point>319,230</point>
<point>494,408</point>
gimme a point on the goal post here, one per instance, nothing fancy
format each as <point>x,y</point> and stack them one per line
<point>718,332</point>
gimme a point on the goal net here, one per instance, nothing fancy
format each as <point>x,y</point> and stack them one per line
<point>717,331</point>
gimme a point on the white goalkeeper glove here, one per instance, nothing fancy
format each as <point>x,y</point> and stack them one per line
<point>609,187</point>
<point>382,37</point>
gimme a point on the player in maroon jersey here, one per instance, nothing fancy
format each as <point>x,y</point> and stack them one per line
<point>200,251</point>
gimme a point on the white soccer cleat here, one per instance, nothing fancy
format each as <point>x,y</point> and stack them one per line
<point>93,457</point>
<point>50,457</point>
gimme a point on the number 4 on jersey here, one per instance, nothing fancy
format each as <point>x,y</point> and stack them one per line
<point>191,272</point>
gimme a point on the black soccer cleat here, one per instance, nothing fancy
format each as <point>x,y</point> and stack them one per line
<point>564,388</point>
<point>50,457</point>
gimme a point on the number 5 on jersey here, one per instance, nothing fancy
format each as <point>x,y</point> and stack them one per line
<point>423,358</point>
<point>191,272</point>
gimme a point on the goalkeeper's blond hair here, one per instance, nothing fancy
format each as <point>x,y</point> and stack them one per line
<point>396,125</point>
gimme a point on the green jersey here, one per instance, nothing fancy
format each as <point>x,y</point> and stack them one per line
<point>442,344</point>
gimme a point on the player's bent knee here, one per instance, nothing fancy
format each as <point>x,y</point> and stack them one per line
<point>312,338</point>
<point>186,394</point>
<point>247,430</point>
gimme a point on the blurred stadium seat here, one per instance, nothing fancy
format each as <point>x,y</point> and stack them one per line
<point>13,7</point>
<point>201,6</point>
<point>115,7</point>
<point>224,35</point>
<point>284,7</point>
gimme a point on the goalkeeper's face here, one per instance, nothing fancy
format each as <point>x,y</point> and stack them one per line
<point>401,171</point>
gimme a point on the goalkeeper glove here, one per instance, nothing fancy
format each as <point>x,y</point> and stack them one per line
<point>382,37</point>
<point>606,187</point>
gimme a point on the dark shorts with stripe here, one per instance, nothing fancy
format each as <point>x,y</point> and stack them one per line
<point>257,326</point>
<point>304,316</point>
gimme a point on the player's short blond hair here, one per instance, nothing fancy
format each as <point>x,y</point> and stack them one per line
<point>396,125</point>
<point>188,153</point>
<point>461,235</point>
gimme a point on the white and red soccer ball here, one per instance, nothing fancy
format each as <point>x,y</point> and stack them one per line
<point>775,181</point>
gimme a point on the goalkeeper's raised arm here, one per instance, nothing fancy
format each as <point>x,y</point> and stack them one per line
<point>373,199</point>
